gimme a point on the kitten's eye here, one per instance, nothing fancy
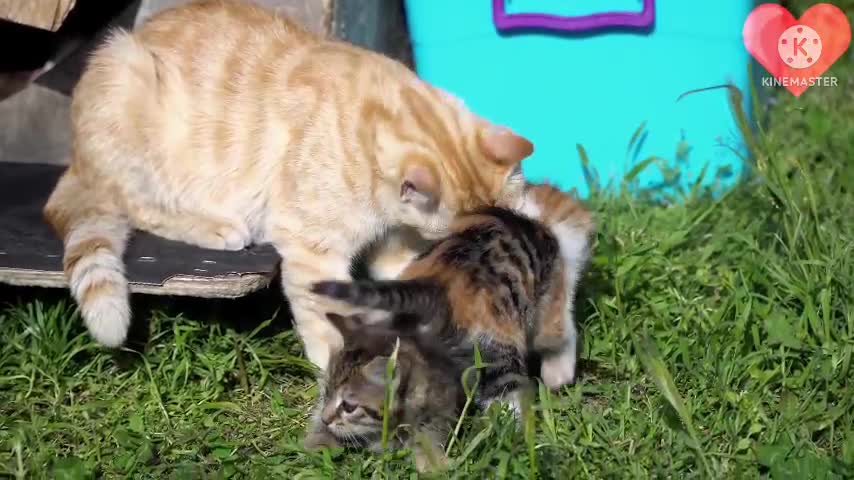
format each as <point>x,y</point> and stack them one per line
<point>348,407</point>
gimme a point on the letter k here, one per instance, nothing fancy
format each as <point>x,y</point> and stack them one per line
<point>796,45</point>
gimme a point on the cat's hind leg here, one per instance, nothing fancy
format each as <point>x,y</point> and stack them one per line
<point>558,369</point>
<point>559,364</point>
<point>556,341</point>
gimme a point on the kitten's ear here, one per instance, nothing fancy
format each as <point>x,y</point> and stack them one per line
<point>374,371</point>
<point>504,146</point>
<point>346,325</point>
<point>420,187</point>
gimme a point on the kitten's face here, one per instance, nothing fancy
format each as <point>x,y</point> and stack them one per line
<point>352,405</point>
<point>350,412</point>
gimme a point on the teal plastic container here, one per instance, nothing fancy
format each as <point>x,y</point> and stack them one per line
<point>568,72</point>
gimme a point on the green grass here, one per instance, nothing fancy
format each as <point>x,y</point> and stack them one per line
<point>718,342</point>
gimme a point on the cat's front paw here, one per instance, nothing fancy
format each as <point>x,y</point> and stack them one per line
<point>221,236</point>
<point>234,237</point>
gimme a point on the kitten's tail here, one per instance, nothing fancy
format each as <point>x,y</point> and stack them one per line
<point>94,233</point>
<point>399,296</point>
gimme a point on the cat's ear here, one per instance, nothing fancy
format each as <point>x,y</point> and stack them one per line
<point>375,370</point>
<point>419,186</point>
<point>504,146</point>
<point>346,325</point>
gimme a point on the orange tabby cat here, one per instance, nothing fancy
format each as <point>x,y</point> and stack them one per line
<point>220,123</point>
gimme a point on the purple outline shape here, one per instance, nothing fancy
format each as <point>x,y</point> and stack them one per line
<point>505,22</point>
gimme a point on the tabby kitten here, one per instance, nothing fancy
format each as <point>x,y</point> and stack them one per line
<point>221,124</point>
<point>501,280</point>
<point>426,393</point>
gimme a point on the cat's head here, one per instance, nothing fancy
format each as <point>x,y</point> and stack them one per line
<point>424,385</point>
<point>351,404</point>
<point>453,161</point>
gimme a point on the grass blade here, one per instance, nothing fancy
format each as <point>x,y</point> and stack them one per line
<point>637,169</point>
<point>653,364</point>
<point>590,174</point>
<point>390,388</point>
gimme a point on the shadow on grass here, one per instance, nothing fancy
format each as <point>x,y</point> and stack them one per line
<point>245,314</point>
<point>242,315</point>
<point>594,285</point>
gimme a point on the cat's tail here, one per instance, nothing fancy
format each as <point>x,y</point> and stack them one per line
<point>94,233</point>
<point>398,296</point>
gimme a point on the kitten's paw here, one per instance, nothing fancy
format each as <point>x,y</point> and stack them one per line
<point>425,463</point>
<point>512,401</point>
<point>558,370</point>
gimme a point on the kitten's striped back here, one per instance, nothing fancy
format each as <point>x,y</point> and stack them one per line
<point>502,278</point>
<point>502,282</point>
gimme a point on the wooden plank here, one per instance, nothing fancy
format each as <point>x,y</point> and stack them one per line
<point>224,286</point>
<point>31,254</point>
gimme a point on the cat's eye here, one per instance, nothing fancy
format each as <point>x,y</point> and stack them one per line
<point>348,407</point>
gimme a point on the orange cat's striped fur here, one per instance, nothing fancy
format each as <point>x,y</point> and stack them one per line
<point>220,123</point>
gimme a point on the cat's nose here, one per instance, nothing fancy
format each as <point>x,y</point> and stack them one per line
<point>328,415</point>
